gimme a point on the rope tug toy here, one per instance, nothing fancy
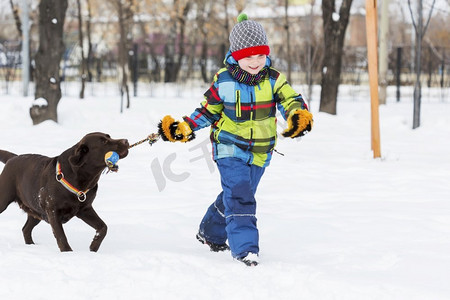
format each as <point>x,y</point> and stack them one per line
<point>152,138</point>
<point>111,157</point>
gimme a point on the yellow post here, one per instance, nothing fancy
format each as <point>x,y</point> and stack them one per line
<point>371,32</point>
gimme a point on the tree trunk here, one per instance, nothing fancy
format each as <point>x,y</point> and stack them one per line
<point>181,41</point>
<point>204,11</point>
<point>169,48</point>
<point>48,58</point>
<point>81,42</point>
<point>288,40</point>
<point>331,73</point>
<point>177,31</point>
<point>334,33</point>
<point>420,29</point>
<point>88,33</point>
<point>17,21</point>
<point>204,61</point>
<point>384,54</point>
<point>124,14</point>
<point>309,58</point>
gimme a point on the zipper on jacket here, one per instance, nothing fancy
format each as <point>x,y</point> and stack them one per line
<point>238,104</point>
<point>251,106</point>
<point>251,122</point>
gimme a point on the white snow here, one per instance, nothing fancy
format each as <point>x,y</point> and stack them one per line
<point>54,21</point>
<point>334,222</point>
<point>335,16</point>
<point>40,102</point>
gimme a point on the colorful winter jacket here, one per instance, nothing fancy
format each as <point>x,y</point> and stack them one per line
<point>242,117</point>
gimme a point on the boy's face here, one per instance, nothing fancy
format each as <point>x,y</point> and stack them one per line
<point>253,64</point>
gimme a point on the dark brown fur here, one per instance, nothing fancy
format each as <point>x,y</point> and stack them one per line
<point>30,180</point>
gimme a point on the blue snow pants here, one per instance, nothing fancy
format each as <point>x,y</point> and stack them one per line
<point>232,215</point>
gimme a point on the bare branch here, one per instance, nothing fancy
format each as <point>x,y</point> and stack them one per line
<point>412,16</point>
<point>16,18</point>
<point>429,17</point>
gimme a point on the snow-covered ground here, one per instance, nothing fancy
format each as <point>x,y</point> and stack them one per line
<point>334,222</point>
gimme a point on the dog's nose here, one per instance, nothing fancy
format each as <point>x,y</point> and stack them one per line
<point>125,142</point>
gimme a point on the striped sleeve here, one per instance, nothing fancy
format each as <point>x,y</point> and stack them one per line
<point>286,97</point>
<point>210,109</point>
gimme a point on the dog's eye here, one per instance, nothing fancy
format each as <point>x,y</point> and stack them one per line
<point>104,141</point>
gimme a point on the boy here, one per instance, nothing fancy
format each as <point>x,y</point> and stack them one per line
<point>240,107</point>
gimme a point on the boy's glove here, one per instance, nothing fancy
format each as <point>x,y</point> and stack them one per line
<point>299,122</point>
<point>175,131</point>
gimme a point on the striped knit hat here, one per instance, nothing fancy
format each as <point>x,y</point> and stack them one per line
<point>248,38</point>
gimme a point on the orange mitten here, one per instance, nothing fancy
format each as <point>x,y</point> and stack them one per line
<point>175,131</point>
<point>300,122</point>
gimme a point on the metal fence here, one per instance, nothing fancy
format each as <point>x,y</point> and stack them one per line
<point>146,69</point>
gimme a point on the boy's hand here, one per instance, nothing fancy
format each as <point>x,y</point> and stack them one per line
<point>299,123</point>
<point>175,131</point>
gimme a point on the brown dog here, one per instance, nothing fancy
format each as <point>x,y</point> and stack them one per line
<point>59,188</point>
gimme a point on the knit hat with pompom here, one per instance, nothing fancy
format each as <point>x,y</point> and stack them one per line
<point>248,38</point>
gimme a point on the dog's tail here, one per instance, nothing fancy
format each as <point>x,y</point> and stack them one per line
<point>5,156</point>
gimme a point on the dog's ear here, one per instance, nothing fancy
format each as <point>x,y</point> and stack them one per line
<point>78,158</point>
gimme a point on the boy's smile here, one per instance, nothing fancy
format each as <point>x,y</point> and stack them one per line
<point>253,64</point>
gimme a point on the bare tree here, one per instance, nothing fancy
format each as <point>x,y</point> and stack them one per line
<point>150,44</point>
<point>383,51</point>
<point>288,40</point>
<point>81,43</point>
<point>51,48</point>
<point>125,16</point>
<point>310,58</point>
<point>89,37</point>
<point>204,13</point>
<point>175,50</point>
<point>17,21</point>
<point>334,27</point>
<point>226,25</point>
<point>420,32</point>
